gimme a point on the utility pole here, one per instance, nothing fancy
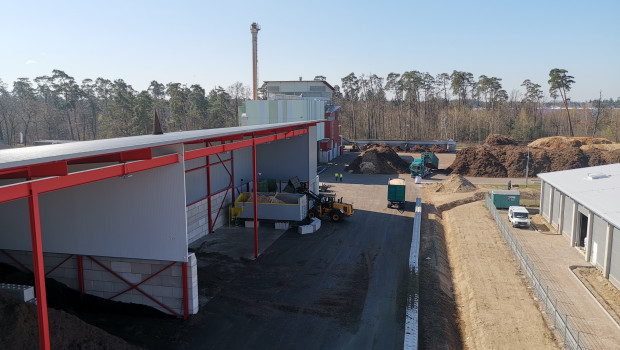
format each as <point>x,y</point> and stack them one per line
<point>527,165</point>
<point>254,28</point>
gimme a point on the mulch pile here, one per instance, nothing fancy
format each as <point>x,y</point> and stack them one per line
<point>498,157</point>
<point>398,149</point>
<point>19,329</point>
<point>439,149</point>
<point>419,149</point>
<point>499,140</point>
<point>378,160</point>
<point>369,146</point>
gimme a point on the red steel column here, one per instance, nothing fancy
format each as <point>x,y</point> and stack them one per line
<point>255,187</point>
<point>185,291</point>
<point>232,175</point>
<point>80,273</point>
<point>208,160</point>
<point>39,269</point>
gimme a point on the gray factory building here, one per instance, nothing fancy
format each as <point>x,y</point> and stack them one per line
<point>114,217</point>
<point>583,205</point>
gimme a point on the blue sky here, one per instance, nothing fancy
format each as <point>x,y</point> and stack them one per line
<point>209,43</point>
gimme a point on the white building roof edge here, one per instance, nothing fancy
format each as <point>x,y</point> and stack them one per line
<point>599,195</point>
<point>24,156</point>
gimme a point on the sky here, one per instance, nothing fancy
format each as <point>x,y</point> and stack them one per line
<point>209,43</point>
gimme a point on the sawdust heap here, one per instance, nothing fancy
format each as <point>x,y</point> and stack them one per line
<point>499,140</point>
<point>550,154</point>
<point>378,160</point>
<point>567,142</point>
<point>263,198</point>
<point>454,184</point>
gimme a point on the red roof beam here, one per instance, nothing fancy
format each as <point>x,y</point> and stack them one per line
<point>125,156</point>
<point>84,177</point>
<point>207,151</point>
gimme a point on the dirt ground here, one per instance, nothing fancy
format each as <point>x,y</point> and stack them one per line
<point>486,279</point>
<point>472,294</point>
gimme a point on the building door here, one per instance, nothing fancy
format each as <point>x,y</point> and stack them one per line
<point>583,229</point>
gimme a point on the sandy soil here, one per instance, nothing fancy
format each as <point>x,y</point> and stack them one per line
<point>486,279</point>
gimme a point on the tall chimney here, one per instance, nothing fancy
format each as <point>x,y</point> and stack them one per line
<point>254,28</point>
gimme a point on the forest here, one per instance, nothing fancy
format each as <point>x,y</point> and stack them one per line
<point>412,105</point>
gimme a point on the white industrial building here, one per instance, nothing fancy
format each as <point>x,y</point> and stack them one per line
<point>114,217</point>
<point>583,205</point>
<point>298,100</point>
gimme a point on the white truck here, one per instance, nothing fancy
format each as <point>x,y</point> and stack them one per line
<point>518,216</point>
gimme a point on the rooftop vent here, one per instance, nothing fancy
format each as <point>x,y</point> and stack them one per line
<point>594,176</point>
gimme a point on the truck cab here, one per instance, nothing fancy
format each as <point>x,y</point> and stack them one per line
<point>518,216</point>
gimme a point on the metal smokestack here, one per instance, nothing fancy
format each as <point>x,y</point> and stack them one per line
<point>254,28</point>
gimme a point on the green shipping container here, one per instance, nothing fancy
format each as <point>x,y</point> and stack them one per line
<point>505,198</point>
<point>396,193</point>
<point>263,186</point>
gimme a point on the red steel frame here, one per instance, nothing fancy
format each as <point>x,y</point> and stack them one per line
<point>54,176</point>
<point>230,187</point>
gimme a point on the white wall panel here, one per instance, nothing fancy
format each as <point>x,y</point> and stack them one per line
<point>138,217</point>
<point>599,233</point>
<point>284,159</point>
<point>614,270</point>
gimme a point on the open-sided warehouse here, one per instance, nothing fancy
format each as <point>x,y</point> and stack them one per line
<point>114,217</point>
<point>583,205</point>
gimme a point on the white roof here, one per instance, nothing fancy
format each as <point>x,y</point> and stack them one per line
<point>16,157</point>
<point>596,188</point>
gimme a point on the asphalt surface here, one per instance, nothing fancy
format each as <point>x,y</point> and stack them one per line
<point>344,286</point>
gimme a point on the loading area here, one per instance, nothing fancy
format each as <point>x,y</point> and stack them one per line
<point>114,218</point>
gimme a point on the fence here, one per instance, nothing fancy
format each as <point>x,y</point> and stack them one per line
<point>573,339</point>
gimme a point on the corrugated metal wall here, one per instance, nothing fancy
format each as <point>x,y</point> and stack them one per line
<point>599,233</point>
<point>567,224</point>
<point>614,270</point>
<point>544,205</point>
<point>556,207</point>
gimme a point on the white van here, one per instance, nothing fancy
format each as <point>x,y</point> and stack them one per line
<point>518,216</point>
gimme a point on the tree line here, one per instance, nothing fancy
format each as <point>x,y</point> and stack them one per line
<point>419,106</point>
<point>57,107</point>
<point>413,105</point>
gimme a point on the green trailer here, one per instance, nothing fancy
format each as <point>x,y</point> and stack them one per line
<point>430,160</point>
<point>505,198</point>
<point>396,193</point>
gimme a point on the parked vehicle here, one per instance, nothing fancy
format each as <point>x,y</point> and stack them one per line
<point>422,166</point>
<point>396,193</point>
<point>430,160</point>
<point>518,216</point>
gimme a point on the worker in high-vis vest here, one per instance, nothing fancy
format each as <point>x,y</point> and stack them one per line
<point>336,176</point>
<point>340,177</point>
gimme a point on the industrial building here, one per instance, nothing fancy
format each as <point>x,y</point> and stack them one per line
<point>114,217</point>
<point>298,100</point>
<point>583,205</point>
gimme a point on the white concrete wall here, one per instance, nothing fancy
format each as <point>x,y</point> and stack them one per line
<point>166,287</point>
<point>198,221</point>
